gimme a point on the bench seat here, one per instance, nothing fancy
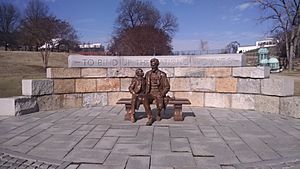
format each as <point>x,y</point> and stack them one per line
<point>177,103</point>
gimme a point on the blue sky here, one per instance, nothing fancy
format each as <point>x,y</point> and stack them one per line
<point>216,21</point>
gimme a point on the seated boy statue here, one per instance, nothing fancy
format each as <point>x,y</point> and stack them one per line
<point>137,89</point>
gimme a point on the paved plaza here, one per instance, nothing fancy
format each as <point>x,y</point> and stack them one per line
<point>99,138</point>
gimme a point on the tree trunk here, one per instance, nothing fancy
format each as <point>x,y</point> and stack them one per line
<point>46,59</point>
<point>288,56</point>
<point>292,56</point>
<point>297,42</point>
<point>45,55</point>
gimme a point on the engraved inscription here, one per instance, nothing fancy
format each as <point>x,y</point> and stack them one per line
<point>218,60</point>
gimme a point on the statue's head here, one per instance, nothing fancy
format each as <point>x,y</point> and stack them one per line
<point>154,63</point>
<point>139,72</point>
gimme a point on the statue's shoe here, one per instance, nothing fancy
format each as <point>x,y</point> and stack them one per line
<point>132,119</point>
<point>158,118</point>
<point>149,122</point>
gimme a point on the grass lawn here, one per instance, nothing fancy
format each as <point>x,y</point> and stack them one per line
<point>18,65</point>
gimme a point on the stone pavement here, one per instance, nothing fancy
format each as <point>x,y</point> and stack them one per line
<point>208,138</point>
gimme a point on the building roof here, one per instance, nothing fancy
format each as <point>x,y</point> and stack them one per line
<point>263,51</point>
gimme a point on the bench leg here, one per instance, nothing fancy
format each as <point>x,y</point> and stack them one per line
<point>127,115</point>
<point>178,112</point>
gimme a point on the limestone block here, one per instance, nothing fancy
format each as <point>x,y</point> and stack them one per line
<point>290,106</point>
<point>53,73</point>
<point>49,102</point>
<point>93,72</point>
<point>71,101</point>
<point>170,94</point>
<point>248,86</point>
<point>85,85</point>
<point>189,72</point>
<point>168,71</point>
<point>203,84</point>
<point>218,72</point>
<point>251,72</point>
<point>94,99</point>
<point>113,97</point>
<point>226,85</point>
<point>125,83</point>
<point>7,106</point>
<point>218,60</point>
<point>64,85</point>
<point>121,72</point>
<point>277,86</point>
<point>243,101</point>
<point>164,61</point>
<point>108,84</point>
<point>19,105</point>
<point>37,87</point>
<point>93,61</point>
<point>210,60</point>
<point>268,104</point>
<point>180,84</point>
<point>196,98</point>
<point>217,100</point>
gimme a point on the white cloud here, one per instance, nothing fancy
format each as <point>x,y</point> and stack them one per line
<point>245,6</point>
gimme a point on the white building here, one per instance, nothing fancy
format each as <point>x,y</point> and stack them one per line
<point>90,45</point>
<point>54,43</point>
<point>268,42</point>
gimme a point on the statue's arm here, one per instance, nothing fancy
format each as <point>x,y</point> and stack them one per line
<point>131,86</point>
<point>166,84</point>
<point>147,88</point>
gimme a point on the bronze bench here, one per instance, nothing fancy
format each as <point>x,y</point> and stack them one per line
<point>177,102</point>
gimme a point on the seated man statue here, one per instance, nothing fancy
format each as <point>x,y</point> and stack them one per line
<point>157,86</point>
<point>137,89</point>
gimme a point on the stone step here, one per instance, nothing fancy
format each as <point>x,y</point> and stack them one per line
<point>18,105</point>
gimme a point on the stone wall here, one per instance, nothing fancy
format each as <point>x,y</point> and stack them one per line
<point>220,86</point>
<point>224,87</point>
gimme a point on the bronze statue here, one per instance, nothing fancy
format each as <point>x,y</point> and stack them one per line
<point>157,86</point>
<point>153,87</point>
<point>137,89</point>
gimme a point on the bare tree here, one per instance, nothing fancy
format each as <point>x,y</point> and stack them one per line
<point>39,28</point>
<point>232,47</point>
<point>286,17</point>
<point>169,24</point>
<point>134,13</point>
<point>34,26</point>
<point>9,22</point>
<point>203,45</point>
<point>142,40</point>
<point>137,17</point>
<point>67,34</point>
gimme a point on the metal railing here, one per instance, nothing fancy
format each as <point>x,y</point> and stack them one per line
<point>200,52</point>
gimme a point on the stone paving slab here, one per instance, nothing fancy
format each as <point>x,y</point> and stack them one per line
<point>98,137</point>
<point>12,159</point>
